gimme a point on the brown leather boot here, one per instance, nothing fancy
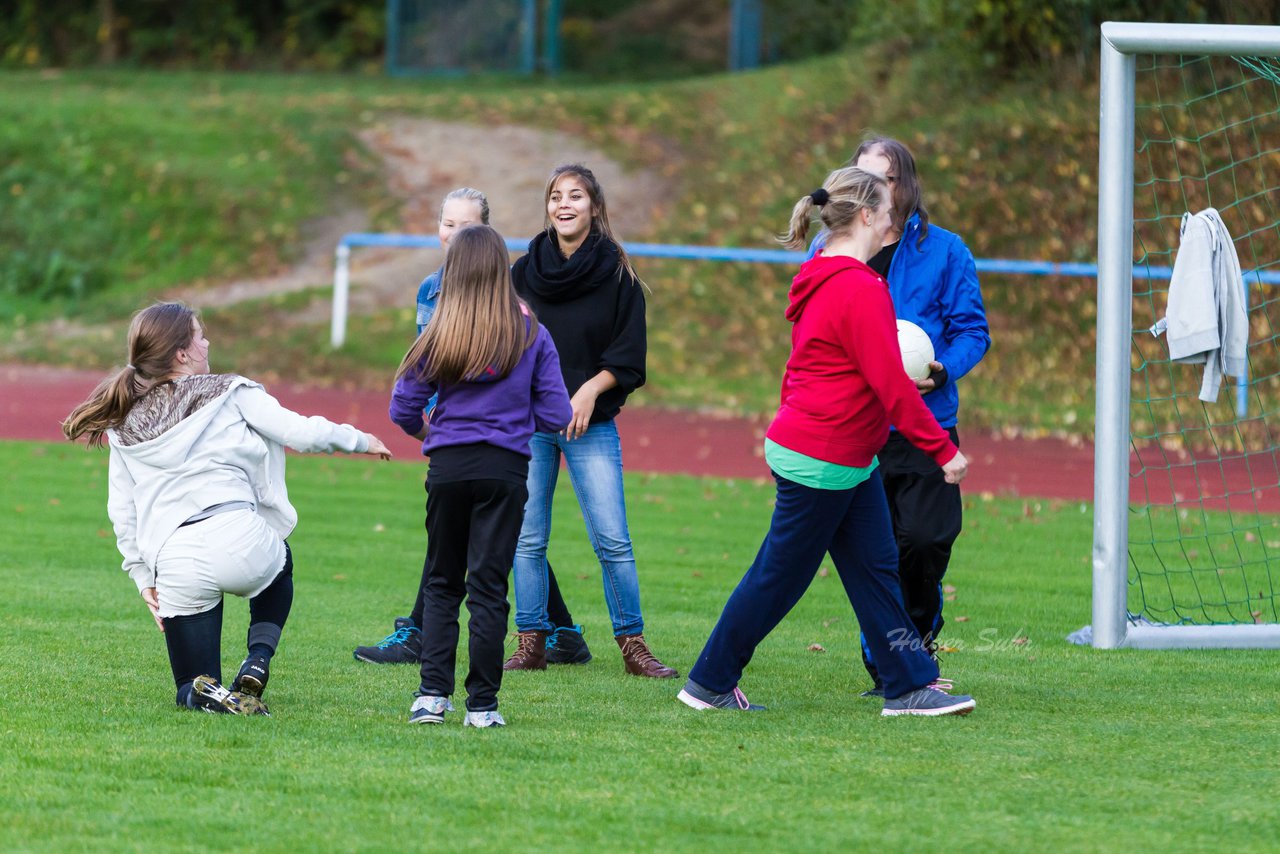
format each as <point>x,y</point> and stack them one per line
<point>639,661</point>
<point>530,654</point>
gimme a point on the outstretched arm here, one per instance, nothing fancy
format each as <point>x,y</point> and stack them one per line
<point>306,434</point>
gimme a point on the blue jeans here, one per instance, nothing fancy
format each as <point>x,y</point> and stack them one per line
<point>853,525</point>
<point>595,470</point>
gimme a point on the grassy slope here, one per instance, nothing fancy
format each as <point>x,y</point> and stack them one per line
<point>175,178</point>
<point>1069,749</point>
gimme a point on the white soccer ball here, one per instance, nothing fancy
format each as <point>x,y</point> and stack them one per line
<point>917,350</point>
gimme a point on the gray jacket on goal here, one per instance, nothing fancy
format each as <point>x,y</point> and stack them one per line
<point>1207,320</point>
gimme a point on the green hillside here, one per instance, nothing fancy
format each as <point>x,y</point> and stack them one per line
<point>115,187</point>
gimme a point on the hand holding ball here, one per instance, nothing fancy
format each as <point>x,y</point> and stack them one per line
<point>917,350</point>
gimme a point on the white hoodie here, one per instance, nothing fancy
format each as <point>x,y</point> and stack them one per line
<point>229,449</point>
<point>1206,319</point>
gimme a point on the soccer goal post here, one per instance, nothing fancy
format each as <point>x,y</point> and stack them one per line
<point>1186,543</point>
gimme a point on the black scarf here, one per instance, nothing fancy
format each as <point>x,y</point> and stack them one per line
<point>555,278</point>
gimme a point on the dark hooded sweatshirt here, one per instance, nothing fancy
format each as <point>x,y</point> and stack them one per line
<point>595,316</point>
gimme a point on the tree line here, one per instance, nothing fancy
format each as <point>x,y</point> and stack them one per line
<point>601,36</point>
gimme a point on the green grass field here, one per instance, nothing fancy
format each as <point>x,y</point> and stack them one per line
<point>1069,749</point>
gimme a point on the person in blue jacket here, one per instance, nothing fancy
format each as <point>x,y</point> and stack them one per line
<point>934,284</point>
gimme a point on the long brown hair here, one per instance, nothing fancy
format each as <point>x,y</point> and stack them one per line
<point>480,324</point>
<point>907,195</point>
<point>599,211</point>
<point>156,335</point>
<point>849,190</point>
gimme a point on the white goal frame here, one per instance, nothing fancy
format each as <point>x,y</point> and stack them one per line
<point>1121,42</point>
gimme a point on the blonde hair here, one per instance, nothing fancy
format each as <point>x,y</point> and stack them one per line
<point>849,191</point>
<point>599,211</point>
<point>480,325</point>
<point>156,334</point>
<point>470,195</point>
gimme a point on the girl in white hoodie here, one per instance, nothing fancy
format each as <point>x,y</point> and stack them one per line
<point>197,497</point>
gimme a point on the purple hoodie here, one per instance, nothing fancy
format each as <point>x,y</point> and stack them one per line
<point>502,412</point>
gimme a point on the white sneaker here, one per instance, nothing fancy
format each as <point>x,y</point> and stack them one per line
<point>483,719</point>
<point>429,710</point>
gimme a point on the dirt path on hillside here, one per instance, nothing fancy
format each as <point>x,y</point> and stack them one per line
<point>422,159</point>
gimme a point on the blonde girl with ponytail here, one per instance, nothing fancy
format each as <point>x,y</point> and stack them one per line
<point>843,385</point>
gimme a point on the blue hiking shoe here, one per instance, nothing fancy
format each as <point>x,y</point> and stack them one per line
<point>696,697</point>
<point>933,700</point>
<point>567,645</point>
<point>402,646</point>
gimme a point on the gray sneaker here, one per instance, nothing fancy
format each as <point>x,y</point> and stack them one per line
<point>429,710</point>
<point>931,701</point>
<point>695,696</point>
<point>483,719</point>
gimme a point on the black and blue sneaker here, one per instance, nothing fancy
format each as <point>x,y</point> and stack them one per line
<point>253,676</point>
<point>567,645</point>
<point>402,646</point>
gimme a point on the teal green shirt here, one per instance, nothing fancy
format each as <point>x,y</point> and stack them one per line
<point>817,474</point>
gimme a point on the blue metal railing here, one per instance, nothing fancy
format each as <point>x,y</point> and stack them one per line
<point>782,256</point>
<point>341,275</point>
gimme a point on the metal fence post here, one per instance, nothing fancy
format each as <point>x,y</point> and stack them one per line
<point>551,38</point>
<point>341,286</point>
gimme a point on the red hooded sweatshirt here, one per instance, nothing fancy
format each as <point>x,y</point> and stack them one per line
<point>844,382</point>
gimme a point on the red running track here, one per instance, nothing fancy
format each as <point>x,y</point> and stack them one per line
<point>35,399</point>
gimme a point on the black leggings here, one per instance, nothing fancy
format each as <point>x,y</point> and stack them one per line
<point>195,640</point>
<point>557,610</point>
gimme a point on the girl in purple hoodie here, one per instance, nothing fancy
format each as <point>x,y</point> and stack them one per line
<point>497,378</point>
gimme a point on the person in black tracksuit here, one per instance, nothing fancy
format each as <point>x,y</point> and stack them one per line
<point>934,284</point>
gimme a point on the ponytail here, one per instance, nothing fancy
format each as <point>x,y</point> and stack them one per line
<point>156,335</point>
<point>106,407</point>
<point>801,214</point>
<point>845,192</point>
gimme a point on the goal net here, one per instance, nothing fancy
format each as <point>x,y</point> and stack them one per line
<point>1187,502</point>
<point>461,36</point>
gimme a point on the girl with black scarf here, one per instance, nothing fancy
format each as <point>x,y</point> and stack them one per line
<point>583,289</point>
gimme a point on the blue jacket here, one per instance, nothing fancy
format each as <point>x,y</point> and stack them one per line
<point>428,296</point>
<point>935,286</point>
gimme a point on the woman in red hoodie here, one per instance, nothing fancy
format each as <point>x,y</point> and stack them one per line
<point>844,385</point>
